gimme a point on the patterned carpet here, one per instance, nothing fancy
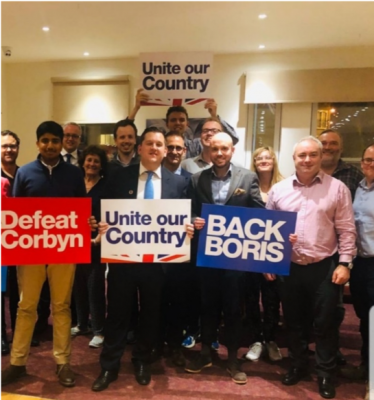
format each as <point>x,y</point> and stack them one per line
<point>170,383</point>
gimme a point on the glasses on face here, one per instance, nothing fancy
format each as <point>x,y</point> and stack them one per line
<point>213,130</point>
<point>73,136</point>
<point>367,161</point>
<point>263,158</point>
<point>172,148</point>
<point>9,146</point>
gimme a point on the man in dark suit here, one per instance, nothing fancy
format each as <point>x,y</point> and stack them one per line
<point>125,279</point>
<point>175,152</point>
<point>71,142</point>
<point>221,289</point>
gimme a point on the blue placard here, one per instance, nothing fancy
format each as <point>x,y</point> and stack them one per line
<point>4,271</point>
<point>246,239</point>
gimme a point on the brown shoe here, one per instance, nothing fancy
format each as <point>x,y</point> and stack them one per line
<point>237,375</point>
<point>12,374</point>
<point>65,375</point>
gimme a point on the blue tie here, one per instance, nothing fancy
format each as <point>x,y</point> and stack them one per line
<point>68,158</point>
<point>149,191</point>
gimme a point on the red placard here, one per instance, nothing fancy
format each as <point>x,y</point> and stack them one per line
<point>45,231</point>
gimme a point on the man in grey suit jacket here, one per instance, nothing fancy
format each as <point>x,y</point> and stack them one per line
<point>221,289</point>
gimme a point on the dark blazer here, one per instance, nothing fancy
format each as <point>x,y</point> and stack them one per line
<point>243,191</point>
<point>185,173</point>
<point>122,183</point>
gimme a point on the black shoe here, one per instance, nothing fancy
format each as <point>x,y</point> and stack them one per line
<point>142,373</point>
<point>177,358</point>
<point>326,388</point>
<point>293,376</point>
<point>340,359</point>
<point>103,380</point>
<point>199,364</point>
<point>5,349</point>
<point>35,342</point>
<point>12,374</point>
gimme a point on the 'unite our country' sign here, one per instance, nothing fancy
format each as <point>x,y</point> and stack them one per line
<point>246,239</point>
<point>145,231</point>
<point>177,75</point>
<point>45,231</point>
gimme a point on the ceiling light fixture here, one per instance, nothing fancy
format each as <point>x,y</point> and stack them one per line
<point>86,53</point>
<point>262,16</point>
<point>261,46</point>
<point>45,28</point>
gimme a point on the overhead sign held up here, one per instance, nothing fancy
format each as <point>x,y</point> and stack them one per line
<point>177,75</point>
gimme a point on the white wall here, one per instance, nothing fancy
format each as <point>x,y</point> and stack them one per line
<point>27,91</point>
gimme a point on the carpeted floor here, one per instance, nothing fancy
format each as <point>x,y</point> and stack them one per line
<point>170,383</point>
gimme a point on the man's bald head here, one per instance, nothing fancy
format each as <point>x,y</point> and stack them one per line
<point>221,151</point>
<point>222,136</point>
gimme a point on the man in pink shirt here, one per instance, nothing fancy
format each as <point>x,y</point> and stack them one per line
<point>321,260</point>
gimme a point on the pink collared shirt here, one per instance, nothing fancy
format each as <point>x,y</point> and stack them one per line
<point>325,220</point>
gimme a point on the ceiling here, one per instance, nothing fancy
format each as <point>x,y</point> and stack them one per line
<point>125,29</point>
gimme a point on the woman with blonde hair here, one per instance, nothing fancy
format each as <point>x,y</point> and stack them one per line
<point>265,165</point>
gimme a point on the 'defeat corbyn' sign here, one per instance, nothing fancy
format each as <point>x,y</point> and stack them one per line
<point>45,231</point>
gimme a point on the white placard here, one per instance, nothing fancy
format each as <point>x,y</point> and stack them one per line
<point>145,231</point>
<point>177,75</point>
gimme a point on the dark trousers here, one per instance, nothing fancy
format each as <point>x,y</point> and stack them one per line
<point>362,290</point>
<point>12,289</point>
<point>221,292</point>
<point>123,281</point>
<point>89,294</point>
<point>309,293</point>
<point>258,287</point>
<point>179,302</point>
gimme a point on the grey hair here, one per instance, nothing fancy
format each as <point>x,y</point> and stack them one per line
<point>310,139</point>
<point>74,124</point>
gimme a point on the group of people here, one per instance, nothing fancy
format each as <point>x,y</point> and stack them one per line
<point>165,299</point>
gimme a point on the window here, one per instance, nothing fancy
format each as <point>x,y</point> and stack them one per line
<point>354,121</point>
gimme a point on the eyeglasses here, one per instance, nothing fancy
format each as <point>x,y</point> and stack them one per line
<point>177,148</point>
<point>367,161</point>
<point>9,146</point>
<point>213,130</point>
<point>266,158</point>
<point>74,136</point>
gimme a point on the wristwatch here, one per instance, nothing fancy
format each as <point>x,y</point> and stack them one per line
<point>346,264</point>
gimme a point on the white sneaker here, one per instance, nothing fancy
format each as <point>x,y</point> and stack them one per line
<point>273,351</point>
<point>254,351</point>
<point>76,331</point>
<point>96,342</point>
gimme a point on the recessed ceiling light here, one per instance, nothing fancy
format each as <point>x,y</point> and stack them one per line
<point>262,16</point>
<point>261,46</point>
<point>86,53</point>
<point>45,28</point>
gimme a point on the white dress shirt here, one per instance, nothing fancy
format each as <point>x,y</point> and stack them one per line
<point>156,180</point>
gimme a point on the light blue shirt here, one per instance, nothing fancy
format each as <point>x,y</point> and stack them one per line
<point>363,207</point>
<point>220,187</point>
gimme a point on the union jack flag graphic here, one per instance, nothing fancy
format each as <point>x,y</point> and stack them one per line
<point>172,102</point>
<point>145,258</point>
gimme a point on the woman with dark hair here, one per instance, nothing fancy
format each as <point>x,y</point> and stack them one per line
<point>89,284</point>
<point>265,165</point>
